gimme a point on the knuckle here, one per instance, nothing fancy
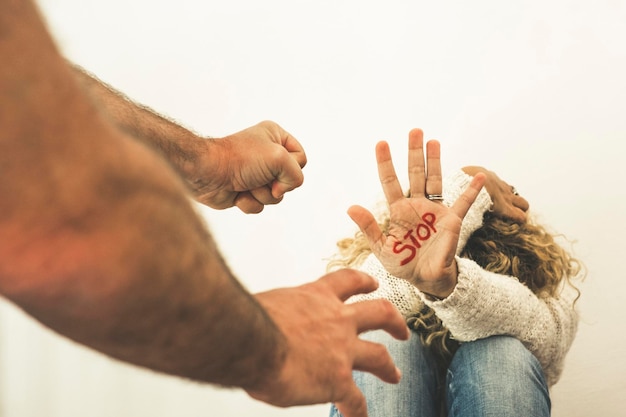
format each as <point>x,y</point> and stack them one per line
<point>464,199</point>
<point>417,169</point>
<point>268,124</point>
<point>388,179</point>
<point>303,160</point>
<point>379,356</point>
<point>344,376</point>
<point>387,310</point>
<point>298,178</point>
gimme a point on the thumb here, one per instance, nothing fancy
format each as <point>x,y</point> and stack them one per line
<point>368,225</point>
<point>462,204</point>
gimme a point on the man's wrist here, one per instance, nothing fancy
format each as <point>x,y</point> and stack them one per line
<point>271,362</point>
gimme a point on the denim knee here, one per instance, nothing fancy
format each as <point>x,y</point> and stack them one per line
<point>496,376</point>
<point>416,392</point>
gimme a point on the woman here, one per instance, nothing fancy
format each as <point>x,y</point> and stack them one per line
<point>487,292</point>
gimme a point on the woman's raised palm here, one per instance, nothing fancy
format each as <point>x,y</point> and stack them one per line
<point>422,237</point>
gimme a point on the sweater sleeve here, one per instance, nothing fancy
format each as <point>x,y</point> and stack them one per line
<point>453,186</point>
<point>485,304</point>
<point>402,294</point>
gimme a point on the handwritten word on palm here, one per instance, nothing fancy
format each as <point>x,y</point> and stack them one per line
<point>422,238</point>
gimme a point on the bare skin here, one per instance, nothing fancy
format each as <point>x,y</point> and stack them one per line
<point>423,234</point>
<point>277,154</point>
<point>506,203</point>
<point>101,243</point>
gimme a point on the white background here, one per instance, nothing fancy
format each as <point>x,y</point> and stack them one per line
<point>534,90</point>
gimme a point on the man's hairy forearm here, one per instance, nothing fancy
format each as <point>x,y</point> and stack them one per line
<point>180,146</point>
<point>99,238</point>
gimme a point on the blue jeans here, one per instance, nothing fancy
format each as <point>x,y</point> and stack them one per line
<point>496,376</point>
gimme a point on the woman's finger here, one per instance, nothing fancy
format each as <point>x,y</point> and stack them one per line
<point>417,166</point>
<point>387,173</point>
<point>369,226</point>
<point>465,200</point>
<point>433,169</point>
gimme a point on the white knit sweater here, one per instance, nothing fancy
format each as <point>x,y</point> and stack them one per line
<point>485,304</point>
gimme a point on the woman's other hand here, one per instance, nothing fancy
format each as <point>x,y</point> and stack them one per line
<point>506,200</point>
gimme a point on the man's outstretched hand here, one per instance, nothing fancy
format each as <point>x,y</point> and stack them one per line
<point>322,343</point>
